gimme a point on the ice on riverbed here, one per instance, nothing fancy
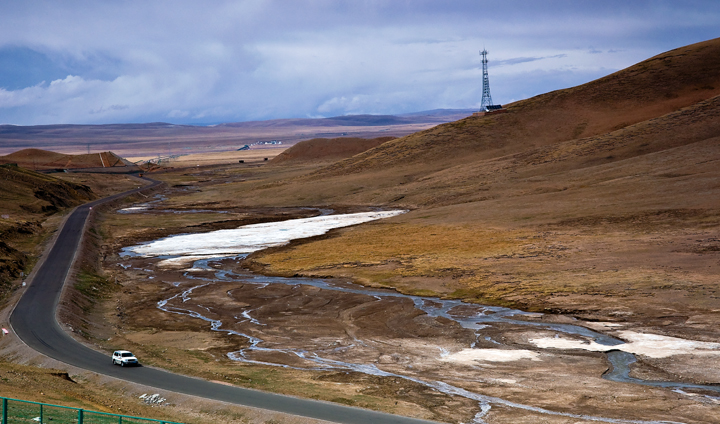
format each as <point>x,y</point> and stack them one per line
<point>650,345</point>
<point>470,356</point>
<point>134,209</point>
<point>250,238</point>
<point>183,261</point>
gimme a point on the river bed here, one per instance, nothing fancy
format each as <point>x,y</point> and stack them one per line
<point>449,340</point>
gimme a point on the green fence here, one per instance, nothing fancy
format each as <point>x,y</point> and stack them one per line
<point>23,411</point>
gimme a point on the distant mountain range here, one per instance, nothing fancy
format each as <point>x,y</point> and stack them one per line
<point>429,116</point>
<point>149,138</point>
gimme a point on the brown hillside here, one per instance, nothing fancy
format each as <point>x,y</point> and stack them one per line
<point>38,159</point>
<point>25,193</point>
<point>33,155</point>
<point>681,146</point>
<point>601,201</point>
<point>652,88</point>
<point>26,199</point>
<point>324,149</point>
<point>536,170</point>
<point>656,106</point>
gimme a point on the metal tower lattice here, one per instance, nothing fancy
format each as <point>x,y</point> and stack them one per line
<point>486,98</point>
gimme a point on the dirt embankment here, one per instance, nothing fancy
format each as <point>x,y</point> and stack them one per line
<point>31,208</point>
<point>26,191</point>
<point>38,159</point>
<point>27,200</point>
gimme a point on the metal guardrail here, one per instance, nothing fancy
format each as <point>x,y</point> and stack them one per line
<point>25,411</point>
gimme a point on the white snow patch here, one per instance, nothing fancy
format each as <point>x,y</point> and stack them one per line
<point>183,261</point>
<point>470,356</point>
<point>603,326</point>
<point>133,209</point>
<point>650,345</point>
<point>250,238</point>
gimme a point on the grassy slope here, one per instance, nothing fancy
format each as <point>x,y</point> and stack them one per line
<point>27,193</point>
<point>410,171</point>
<point>31,207</point>
<point>327,149</point>
<point>27,199</point>
<point>651,89</point>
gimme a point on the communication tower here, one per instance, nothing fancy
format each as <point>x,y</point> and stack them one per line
<point>486,98</point>
<point>486,104</point>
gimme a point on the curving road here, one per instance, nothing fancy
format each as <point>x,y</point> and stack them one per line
<point>34,321</point>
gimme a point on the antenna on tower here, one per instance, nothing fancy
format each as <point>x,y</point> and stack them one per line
<point>486,104</point>
<point>486,98</point>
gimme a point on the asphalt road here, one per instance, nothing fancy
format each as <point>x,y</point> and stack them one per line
<point>34,321</point>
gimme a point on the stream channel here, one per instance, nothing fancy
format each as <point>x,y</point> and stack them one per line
<point>470,316</point>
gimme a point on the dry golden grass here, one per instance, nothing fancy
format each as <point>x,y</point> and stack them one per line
<point>102,184</point>
<point>528,267</point>
<point>57,387</point>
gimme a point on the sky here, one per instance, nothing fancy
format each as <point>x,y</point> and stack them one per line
<point>200,62</point>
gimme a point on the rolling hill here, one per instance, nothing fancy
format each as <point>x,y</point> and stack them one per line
<point>38,159</point>
<point>589,200</point>
<point>26,199</point>
<point>665,102</point>
<point>327,149</point>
